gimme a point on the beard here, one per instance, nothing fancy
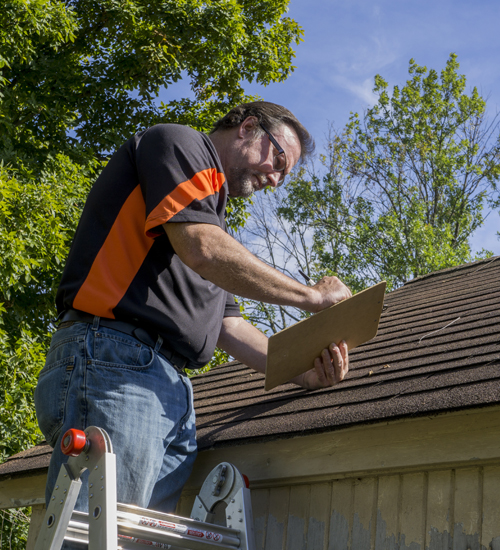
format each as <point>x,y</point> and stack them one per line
<point>241,182</point>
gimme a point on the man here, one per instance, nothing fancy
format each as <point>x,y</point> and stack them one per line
<point>148,290</point>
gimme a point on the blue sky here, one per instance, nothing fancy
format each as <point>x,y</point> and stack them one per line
<point>348,42</point>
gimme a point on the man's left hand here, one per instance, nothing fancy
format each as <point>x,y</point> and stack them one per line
<point>329,369</point>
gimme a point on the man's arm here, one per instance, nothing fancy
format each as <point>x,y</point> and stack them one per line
<point>248,345</point>
<point>219,258</point>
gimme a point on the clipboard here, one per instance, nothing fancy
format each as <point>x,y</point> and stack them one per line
<point>292,351</point>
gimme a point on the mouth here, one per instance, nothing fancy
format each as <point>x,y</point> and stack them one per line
<point>261,182</point>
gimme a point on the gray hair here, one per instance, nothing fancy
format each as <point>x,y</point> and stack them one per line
<point>271,116</point>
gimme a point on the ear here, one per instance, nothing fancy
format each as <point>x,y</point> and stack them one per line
<point>247,128</point>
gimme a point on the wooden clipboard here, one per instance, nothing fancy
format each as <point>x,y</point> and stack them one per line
<point>292,351</point>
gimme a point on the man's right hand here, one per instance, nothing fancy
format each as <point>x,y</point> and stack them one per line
<point>330,290</point>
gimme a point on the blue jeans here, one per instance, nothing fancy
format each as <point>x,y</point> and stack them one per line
<point>96,376</point>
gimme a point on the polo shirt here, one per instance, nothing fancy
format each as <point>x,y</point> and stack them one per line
<point>121,264</point>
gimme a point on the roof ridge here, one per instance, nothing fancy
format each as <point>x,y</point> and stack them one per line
<point>447,270</point>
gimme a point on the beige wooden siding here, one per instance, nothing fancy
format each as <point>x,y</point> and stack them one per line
<point>428,483</point>
<point>454,509</point>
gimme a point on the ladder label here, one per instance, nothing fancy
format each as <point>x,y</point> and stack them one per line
<point>205,534</point>
<point>171,526</point>
<point>145,542</point>
<point>165,525</point>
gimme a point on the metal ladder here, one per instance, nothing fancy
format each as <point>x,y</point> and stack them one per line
<point>111,526</point>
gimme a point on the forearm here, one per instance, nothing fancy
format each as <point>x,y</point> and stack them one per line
<point>247,344</point>
<point>244,342</point>
<point>219,258</point>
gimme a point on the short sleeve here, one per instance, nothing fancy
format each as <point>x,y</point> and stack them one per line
<point>180,176</point>
<point>232,308</point>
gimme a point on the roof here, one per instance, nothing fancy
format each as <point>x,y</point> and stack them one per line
<point>29,462</point>
<point>437,350</point>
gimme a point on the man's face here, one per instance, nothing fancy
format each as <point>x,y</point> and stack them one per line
<point>252,165</point>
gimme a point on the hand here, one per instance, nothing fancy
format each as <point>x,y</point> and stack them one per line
<point>331,291</point>
<point>329,369</point>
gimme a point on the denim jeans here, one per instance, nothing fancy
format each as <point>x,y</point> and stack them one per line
<point>97,376</point>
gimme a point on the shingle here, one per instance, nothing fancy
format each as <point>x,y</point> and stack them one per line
<point>27,462</point>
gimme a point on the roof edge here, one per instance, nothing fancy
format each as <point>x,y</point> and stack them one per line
<point>451,270</point>
<point>330,429</point>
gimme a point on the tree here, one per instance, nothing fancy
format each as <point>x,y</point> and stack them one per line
<point>86,74</point>
<point>403,189</point>
<point>38,216</point>
<point>77,78</point>
<point>429,160</point>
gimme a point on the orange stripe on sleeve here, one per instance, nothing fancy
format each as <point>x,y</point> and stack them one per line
<point>118,261</point>
<point>201,185</point>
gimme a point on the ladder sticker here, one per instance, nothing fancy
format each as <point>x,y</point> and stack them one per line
<point>144,542</point>
<point>166,525</point>
<point>171,526</point>
<point>205,534</point>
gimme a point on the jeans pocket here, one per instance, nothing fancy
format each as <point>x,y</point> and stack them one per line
<point>114,349</point>
<point>50,397</point>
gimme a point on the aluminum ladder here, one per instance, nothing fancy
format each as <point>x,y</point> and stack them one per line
<point>112,526</point>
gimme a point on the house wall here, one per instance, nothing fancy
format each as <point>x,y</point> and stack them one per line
<point>429,483</point>
<point>442,509</point>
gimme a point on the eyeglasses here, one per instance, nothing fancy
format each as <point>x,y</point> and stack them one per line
<point>279,160</point>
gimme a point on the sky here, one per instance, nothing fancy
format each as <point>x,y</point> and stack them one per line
<point>348,42</point>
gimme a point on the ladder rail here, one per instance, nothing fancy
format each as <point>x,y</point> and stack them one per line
<point>97,457</point>
<point>164,528</point>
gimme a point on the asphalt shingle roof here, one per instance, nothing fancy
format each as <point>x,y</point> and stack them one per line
<point>437,350</point>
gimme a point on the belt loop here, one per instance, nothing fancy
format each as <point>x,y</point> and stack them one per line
<point>58,319</point>
<point>159,343</point>
<point>95,324</point>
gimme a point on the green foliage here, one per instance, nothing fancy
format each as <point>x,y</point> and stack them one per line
<point>220,357</point>
<point>96,68</point>
<point>38,216</point>
<point>237,213</point>
<point>76,80</point>
<point>402,190</point>
<point>428,159</point>
<point>37,219</point>
<point>14,526</point>
<point>329,219</point>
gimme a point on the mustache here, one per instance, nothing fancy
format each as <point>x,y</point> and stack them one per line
<point>262,178</point>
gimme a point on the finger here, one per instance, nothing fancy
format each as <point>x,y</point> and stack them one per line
<point>328,367</point>
<point>320,372</point>
<point>344,350</point>
<point>337,363</point>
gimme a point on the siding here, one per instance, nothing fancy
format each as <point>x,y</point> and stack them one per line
<point>415,484</point>
<point>448,509</point>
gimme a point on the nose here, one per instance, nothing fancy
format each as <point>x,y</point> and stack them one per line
<point>273,179</point>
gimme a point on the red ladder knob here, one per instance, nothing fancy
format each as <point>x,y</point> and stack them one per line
<point>73,442</point>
